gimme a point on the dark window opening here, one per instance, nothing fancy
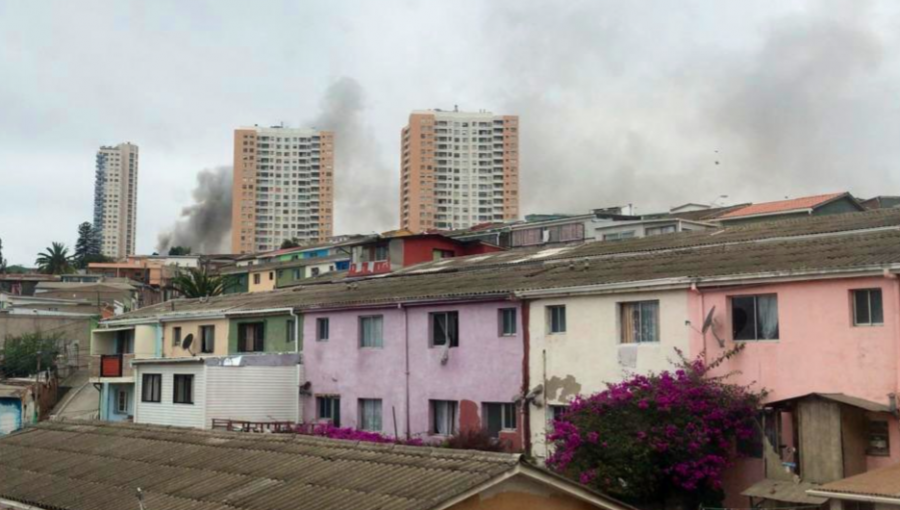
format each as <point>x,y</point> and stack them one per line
<point>183,389</point>
<point>754,317</point>
<point>445,329</point>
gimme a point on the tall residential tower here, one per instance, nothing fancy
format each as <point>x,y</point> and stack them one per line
<point>458,169</point>
<point>283,187</point>
<point>115,199</point>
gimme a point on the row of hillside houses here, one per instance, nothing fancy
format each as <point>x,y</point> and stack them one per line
<point>503,341</point>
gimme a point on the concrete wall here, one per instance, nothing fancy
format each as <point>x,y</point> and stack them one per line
<point>484,368</point>
<point>169,350</point>
<point>590,354</point>
<point>166,412</point>
<point>73,329</point>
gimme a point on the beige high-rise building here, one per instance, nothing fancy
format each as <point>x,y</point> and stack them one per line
<point>283,187</point>
<point>458,169</point>
<point>115,199</point>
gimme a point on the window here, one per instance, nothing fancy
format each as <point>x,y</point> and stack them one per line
<point>271,275</point>
<point>207,339</point>
<point>558,411</point>
<point>867,307</point>
<point>256,279</point>
<point>151,386</point>
<point>381,252</point>
<point>437,254</point>
<point>176,336</point>
<point>556,317</point>
<point>370,329</point>
<point>251,337</point>
<point>296,274</point>
<point>443,417</point>
<point>121,402</point>
<point>322,329</point>
<point>640,322</point>
<point>499,417</point>
<point>754,317</point>
<point>655,231</point>
<point>184,389</point>
<point>507,322</point>
<point>445,329</point>
<point>370,414</point>
<point>290,332</point>
<point>879,439</point>
<point>329,408</point>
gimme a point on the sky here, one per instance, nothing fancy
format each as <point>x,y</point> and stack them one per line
<point>650,103</point>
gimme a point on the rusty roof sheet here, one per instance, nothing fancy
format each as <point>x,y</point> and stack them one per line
<point>884,482</point>
<point>98,466</point>
<point>855,240</point>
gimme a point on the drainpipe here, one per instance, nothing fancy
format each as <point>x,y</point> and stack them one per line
<point>697,290</point>
<point>297,351</point>
<point>526,379</point>
<point>406,344</point>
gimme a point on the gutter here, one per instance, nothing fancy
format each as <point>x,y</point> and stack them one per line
<point>16,505</point>
<point>853,497</point>
<point>264,311</point>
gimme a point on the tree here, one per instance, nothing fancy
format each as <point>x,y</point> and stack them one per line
<point>289,243</point>
<point>84,245</point>
<point>56,260</point>
<point>657,437</point>
<point>19,356</point>
<point>2,260</point>
<point>196,283</point>
<point>179,250</point>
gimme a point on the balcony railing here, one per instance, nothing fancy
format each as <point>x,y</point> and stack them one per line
<point>111,365</point>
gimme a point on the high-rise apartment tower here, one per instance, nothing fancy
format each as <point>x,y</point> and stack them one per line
<point>115,199</point>
<point>458,169</point>
<point>283,187</point>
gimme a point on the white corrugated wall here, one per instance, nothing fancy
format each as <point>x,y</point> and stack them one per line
<point>254,393</point>
<point>166,412</point>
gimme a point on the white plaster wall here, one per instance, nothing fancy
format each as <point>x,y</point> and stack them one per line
<point>589,354</point>
<point>166,412</point>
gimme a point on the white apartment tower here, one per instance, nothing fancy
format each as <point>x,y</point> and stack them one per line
<point>283,187</point>
<point>458,169</point>
<point>115,199</point>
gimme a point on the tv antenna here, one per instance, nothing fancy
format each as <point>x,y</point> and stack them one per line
<point>187,343</point>
<point>710,324</point>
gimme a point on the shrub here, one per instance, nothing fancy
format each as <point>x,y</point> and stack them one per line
<point>475,439</point>
<point>655,437</point>
<point>19,356</point>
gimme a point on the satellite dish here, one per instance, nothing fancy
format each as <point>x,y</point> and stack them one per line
<point>709,324</point>
<point>187,342</point>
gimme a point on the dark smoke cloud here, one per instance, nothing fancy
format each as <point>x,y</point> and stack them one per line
<point>365,186</point>
<point>617,107</point>
<point>204,226</point>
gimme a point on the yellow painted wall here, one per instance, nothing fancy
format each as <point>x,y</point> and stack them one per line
<point>193,328</point>
<point>520,493</point>
<point>267,279</point>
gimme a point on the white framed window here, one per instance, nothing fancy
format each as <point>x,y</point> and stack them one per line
<point>754,317</point>
<point>868,308</point>
<point>556,319</point>
<point>443,416</point>
<point>639,322</point>
<point>370,331</point>
<point>370,414</point>
<point>498,417</point>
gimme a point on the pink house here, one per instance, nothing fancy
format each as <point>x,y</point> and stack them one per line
<point>826,349</point>
<point>417,370</point>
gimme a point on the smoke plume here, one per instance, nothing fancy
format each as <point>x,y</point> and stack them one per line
<point>364,186</point>
<point>205,226</point>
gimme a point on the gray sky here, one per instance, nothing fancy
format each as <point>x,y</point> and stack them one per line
<point>620,101</point>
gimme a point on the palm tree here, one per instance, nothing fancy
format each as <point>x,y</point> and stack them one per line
<point>55,260</point>
<point>196,283</point>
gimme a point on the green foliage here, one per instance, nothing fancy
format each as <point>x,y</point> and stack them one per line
<point>55,260</point>
<point>289,243</point>
<point>179,250</point>
<point>87,247</point>
<point>19,355</point>
<point>196,283</point>
<point>17,269</point>
<point>2,260</point>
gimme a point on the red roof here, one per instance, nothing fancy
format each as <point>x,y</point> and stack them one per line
<point>780,206</point>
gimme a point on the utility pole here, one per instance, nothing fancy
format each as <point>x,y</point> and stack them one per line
<point>37,386</point>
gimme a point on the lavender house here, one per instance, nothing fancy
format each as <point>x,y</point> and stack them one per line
<point>418,370</point>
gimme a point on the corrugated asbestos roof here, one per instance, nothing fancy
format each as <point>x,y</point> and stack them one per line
<point>884,482</point>
<point>790,246</point>
<point>81,466</point>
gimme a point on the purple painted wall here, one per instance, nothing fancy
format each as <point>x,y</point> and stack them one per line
<point>486,367</point>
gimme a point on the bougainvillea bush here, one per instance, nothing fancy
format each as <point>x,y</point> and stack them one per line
<point>655,437</point>
<point>351,434</point>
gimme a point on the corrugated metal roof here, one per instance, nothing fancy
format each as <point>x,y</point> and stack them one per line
<point>884,482</point>
<point>81,466</point>
<point>788,492</point>
<point>788,247</point>
<point>840,398</point>
<point>795,204</point>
